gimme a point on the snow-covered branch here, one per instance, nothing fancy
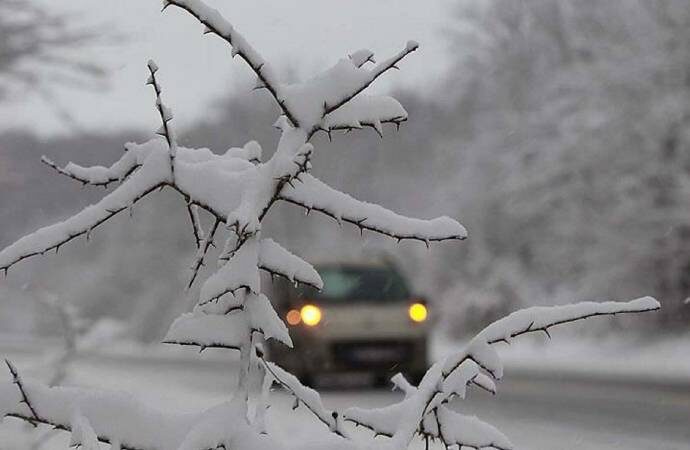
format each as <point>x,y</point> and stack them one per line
<point>306,396</point>
<point>228,327</point>
<point>216,24</point>
<point>313,194</point>
<point>148,178</point>
<point>338,99</point>
<point>115,418</point>
<point>97,175</point>
<point>237,189</point>
<point>365,111</point>
<point>276,260</point>
<point>450,377</point>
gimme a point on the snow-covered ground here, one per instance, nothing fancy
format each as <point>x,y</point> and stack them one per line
<point>566,395</point>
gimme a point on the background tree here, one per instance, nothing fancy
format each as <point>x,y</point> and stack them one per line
<point>576,140</point>
<point>35,50</point>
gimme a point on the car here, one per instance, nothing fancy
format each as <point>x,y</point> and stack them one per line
<point>365,319</point>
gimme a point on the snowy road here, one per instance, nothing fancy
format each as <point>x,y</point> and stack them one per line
<point>537,413</point>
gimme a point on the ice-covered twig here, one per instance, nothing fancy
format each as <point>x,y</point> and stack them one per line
<point>216,24</point>
<point>313,194</point>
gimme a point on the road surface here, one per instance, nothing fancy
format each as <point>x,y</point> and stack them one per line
<point>537,412</point>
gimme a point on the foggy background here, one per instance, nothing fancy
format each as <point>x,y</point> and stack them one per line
<point>558,132</point>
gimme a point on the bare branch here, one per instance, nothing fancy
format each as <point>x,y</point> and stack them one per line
<point>204,247</point>
<point>217,25</point>
<point>16,379</point>
<point>192,211</point>
<point>165,114</point>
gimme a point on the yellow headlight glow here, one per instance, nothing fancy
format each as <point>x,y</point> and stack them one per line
<point>293,317</point>
<point>311,315</point>
<point>417,312</point>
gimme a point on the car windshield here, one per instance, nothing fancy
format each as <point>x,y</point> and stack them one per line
<point>343,283</point>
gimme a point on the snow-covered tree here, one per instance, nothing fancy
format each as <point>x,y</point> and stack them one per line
<point>579,130</point>
<point>234,192</point>
<point>30,40</point>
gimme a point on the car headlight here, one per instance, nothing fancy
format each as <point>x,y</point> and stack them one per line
<point>293,317</point>
<point>311,315</point>
<point>417,312</point>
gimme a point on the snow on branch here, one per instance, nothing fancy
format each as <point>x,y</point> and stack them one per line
<point>240,273</point>
<point>316,101</point>
<point>207,328</point>
<point>111,418</point>
<point>251,152</point>
<point>453,428</point>
<point>216,24</point>
<point>541,318</point>
<point>365,110</point>
<point>276,260</point>
<point>537,319</point>
<point>313,194</point>
<point>449,378</point>
<point>311,105</point>
<point>365,79</point>
<point>208,331</point>
<point>306,396</point>
<point>148,178</point>
<point>97,175</point>
<point>264,319</point>
<point>83,435</point>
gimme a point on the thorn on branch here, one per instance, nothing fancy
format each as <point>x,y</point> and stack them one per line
<point>16,379</point>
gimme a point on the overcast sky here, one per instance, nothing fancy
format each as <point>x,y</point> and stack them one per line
<point>299,37</point>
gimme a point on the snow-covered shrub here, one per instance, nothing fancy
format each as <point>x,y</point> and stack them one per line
<point>236,190</point>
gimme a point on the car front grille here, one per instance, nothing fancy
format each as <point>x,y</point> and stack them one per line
<point>372,354</point>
